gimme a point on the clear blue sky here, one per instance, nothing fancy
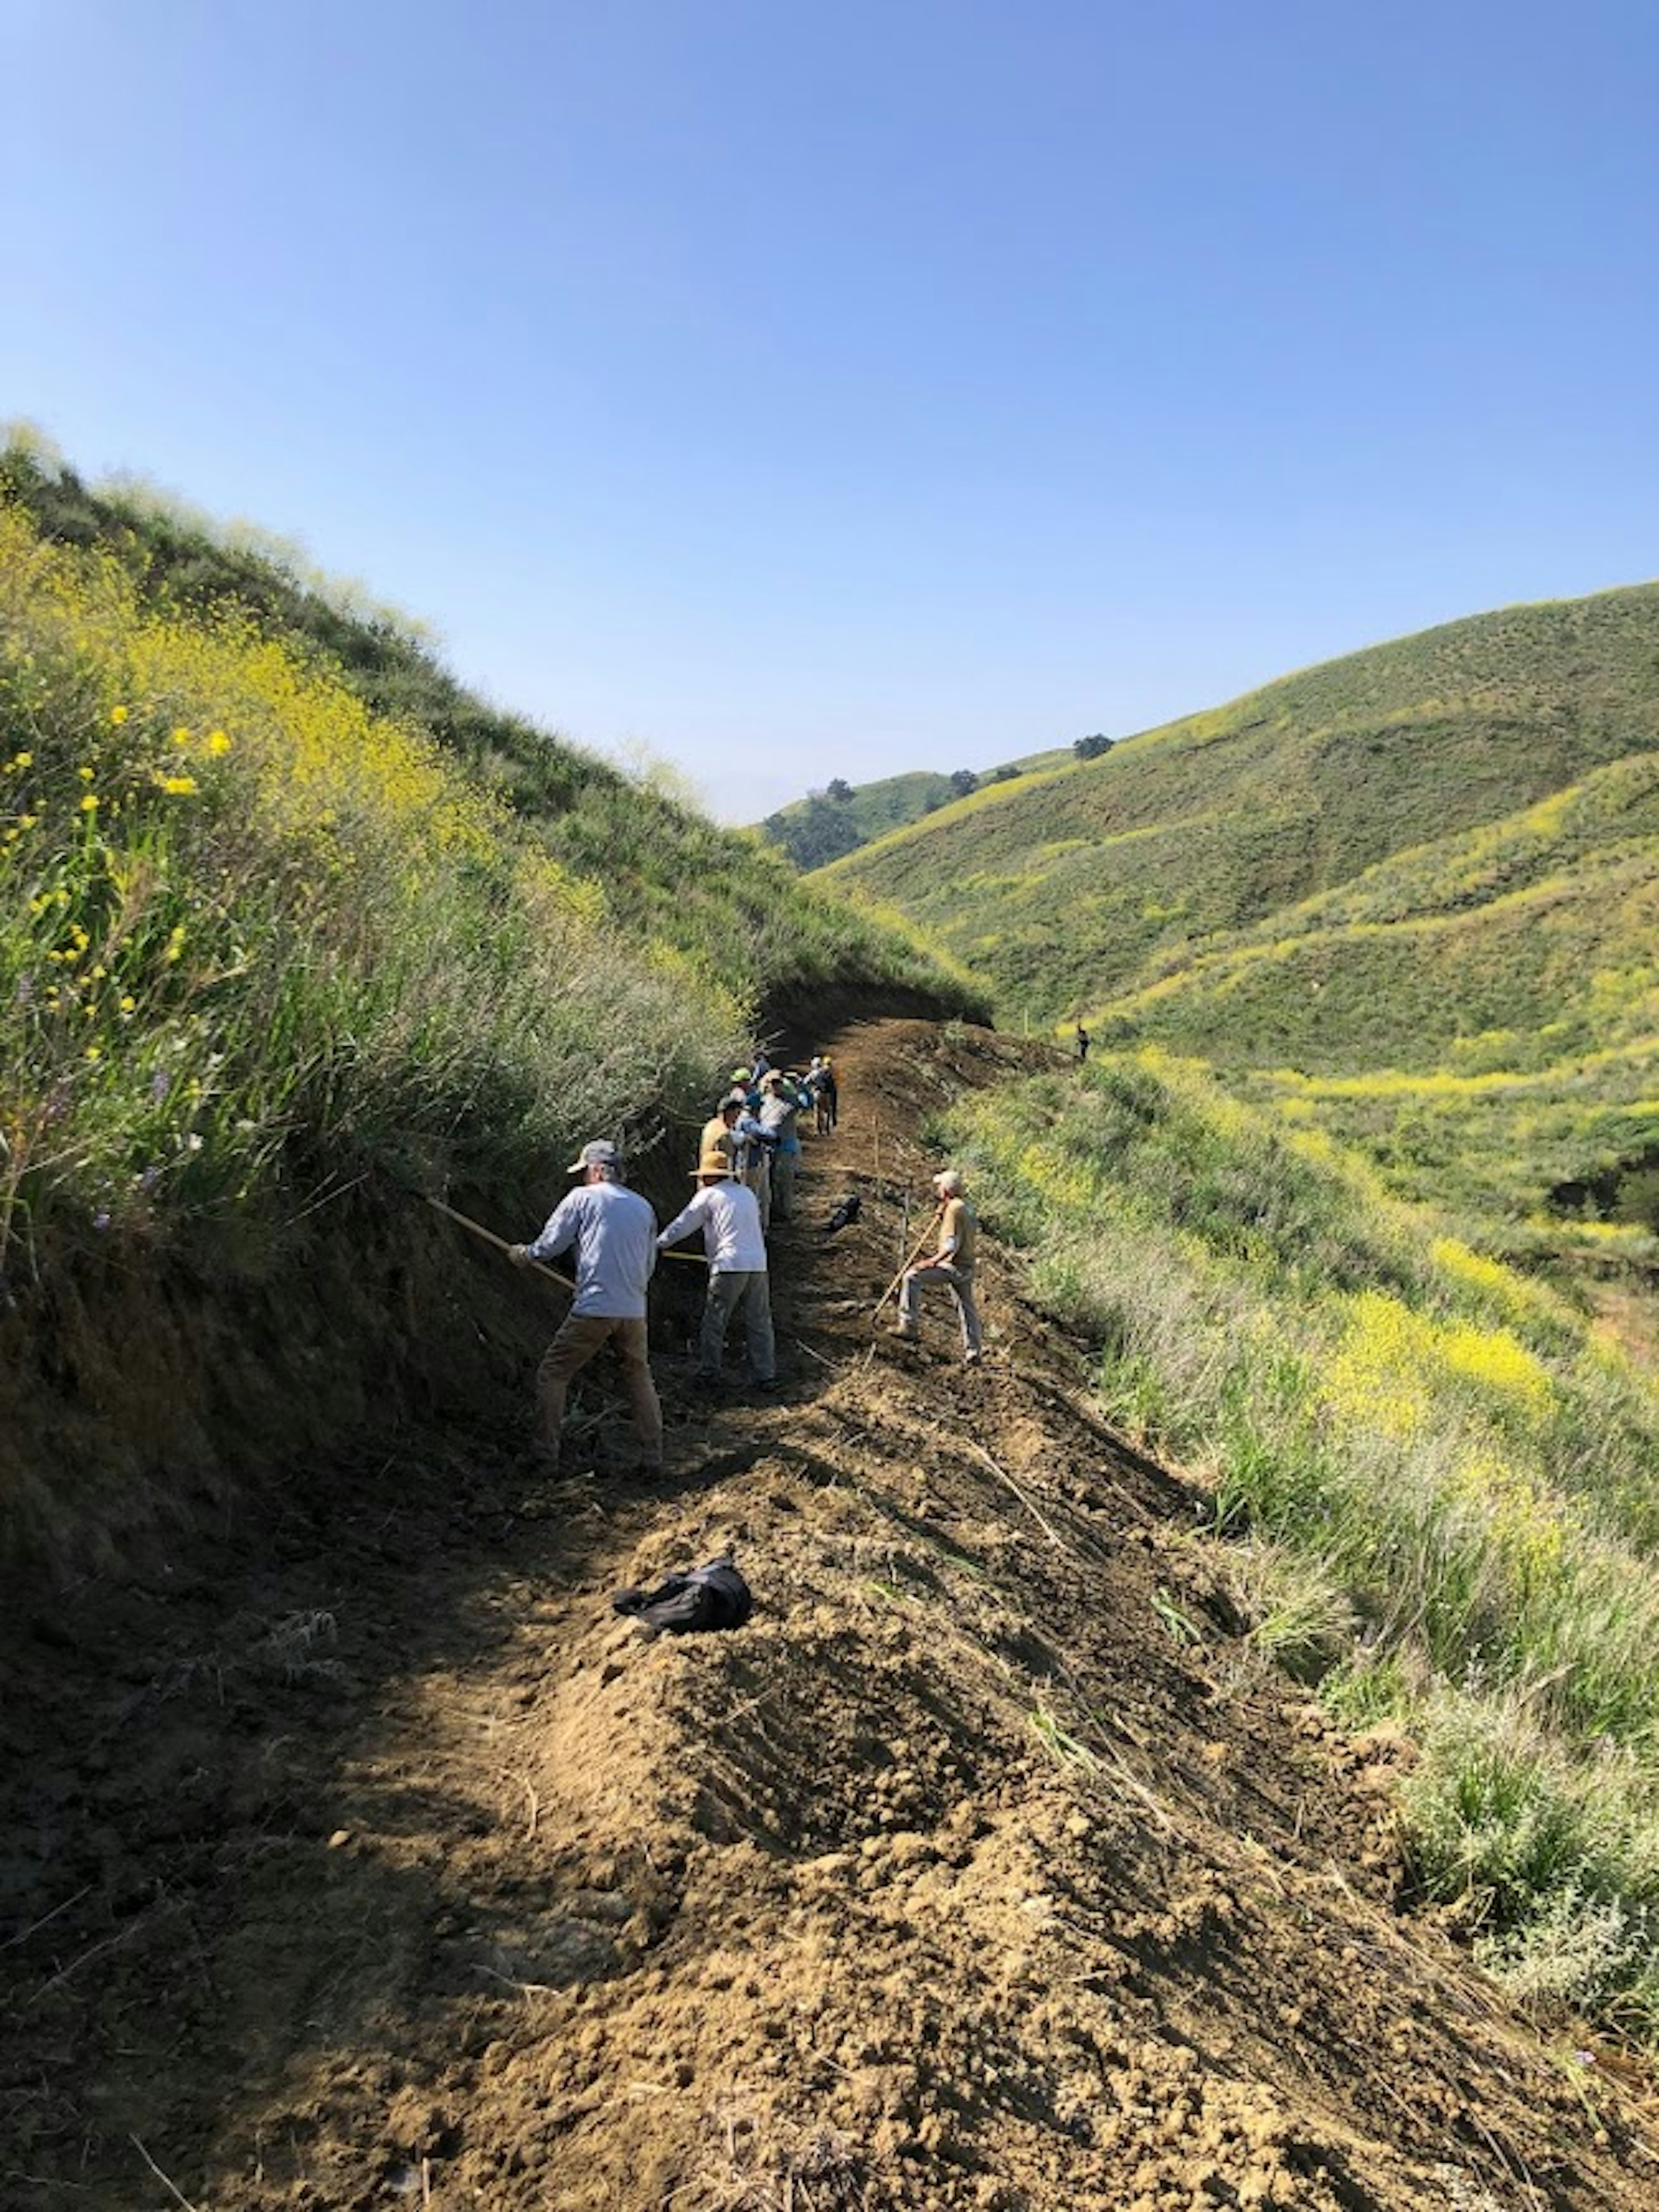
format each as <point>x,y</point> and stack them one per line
<point>804,392</point>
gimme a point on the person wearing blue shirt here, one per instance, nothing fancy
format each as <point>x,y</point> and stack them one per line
<point>614,1232</point>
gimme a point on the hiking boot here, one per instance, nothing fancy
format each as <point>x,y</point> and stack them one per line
<point>973,1358</point>
<point>906,1335</point>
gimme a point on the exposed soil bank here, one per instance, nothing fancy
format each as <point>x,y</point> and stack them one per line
<point>359,1856</point>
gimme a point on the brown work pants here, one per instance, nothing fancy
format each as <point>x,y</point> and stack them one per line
<point>577,1341</point>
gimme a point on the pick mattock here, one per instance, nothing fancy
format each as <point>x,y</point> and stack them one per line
<point>914,1254</point>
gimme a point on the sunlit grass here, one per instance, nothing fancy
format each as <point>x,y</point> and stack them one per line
<point>1438,1467</point>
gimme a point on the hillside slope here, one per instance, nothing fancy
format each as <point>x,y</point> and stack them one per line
<point>287,918</point>
<point>986,1867</point>
<point>1071,890</point>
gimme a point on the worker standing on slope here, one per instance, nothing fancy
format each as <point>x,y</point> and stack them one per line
<point>615,1233</point>
<point>950,1261</point>
<point>728,1214</point>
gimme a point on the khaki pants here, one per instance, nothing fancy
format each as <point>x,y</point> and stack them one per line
<point>962,1290</point>
<point>577,1341</point>
<point>758,1176</point>
<point>784,1167</point>
<point>738,1291</point>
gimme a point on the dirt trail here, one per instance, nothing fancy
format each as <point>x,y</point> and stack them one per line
<point>369,1860</point>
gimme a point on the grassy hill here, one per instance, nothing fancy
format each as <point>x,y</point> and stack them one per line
<point>1066,888</point>
<point>1414,894</point>
<point>290,921</point>
<point>827,824</point>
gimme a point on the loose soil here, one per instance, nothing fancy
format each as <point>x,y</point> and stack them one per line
<point>357,1855</point>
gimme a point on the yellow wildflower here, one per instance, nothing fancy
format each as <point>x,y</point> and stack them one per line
<point>90,804</point>
<point>93,1053</point>
<point>85,775</point>
<point>127,1004</point>
<point>217,743</point>
<point>118,716</point>
<point>180,787</point>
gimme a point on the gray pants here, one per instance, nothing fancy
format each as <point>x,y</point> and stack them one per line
<point>729,1293</point>
<point>962,1290</point>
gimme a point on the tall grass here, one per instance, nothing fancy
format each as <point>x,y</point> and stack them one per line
<point>1419,1443</point>
<point>658,869</point>
<point>250,931</point>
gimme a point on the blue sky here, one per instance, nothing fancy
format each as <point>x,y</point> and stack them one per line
<point>799,393</point>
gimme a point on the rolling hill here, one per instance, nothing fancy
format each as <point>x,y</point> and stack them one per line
<point>1426,875</point>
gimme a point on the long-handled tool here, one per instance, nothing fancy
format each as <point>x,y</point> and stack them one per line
<point>537,1266</point>
<point>916,1252</point>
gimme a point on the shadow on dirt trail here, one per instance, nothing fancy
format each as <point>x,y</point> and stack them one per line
<point>365,1858</point>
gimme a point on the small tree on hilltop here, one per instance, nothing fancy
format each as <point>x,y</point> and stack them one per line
<point>963,783</point>
<point>840,790</point>
<point>1091,748</point>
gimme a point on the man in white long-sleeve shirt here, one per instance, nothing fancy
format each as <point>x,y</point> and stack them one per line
<point>615,1233</point>
<point>728,1214</point>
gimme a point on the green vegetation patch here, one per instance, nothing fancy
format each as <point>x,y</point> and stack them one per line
<point>1449,1474</point>
<point>279,903</point>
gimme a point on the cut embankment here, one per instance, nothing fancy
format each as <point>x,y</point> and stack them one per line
<point>987,1867</point>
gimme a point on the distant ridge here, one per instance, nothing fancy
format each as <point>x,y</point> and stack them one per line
<point>1436,859</point>
<point>827,824</point>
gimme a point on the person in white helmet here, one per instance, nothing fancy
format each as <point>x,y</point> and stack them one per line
<point>950,1262</point>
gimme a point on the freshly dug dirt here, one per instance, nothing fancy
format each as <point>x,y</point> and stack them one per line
<point>357,1855</point>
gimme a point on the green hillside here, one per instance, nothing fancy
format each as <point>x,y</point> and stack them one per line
<point>280,902</point>
<point>1069,890</point>
<point>827,824</point>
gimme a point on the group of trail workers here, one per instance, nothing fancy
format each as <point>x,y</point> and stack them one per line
<point>748,1160</point>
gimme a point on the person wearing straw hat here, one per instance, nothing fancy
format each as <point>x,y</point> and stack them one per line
<point>614,1231</point>
<point>727,1213</point>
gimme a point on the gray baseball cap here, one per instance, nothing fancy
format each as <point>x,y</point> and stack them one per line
<point>601,1153</point>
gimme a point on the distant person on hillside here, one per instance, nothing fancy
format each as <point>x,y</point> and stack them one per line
<point>728,1215</point>
<point>1082,1044</point>
<point>950,1262</point>
<point>615,1235</point>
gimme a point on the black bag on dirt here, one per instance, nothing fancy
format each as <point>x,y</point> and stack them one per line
<point>715,1596</point>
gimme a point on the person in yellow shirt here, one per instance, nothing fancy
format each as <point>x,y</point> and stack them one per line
<point>719,1133</point>
<point>950,1262</point>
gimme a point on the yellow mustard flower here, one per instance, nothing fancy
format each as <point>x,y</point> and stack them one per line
<point>85,775</point>
<point>217,743</point>
<point>118,716</point>
<point>180,787</point>
<point>90,804</point>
